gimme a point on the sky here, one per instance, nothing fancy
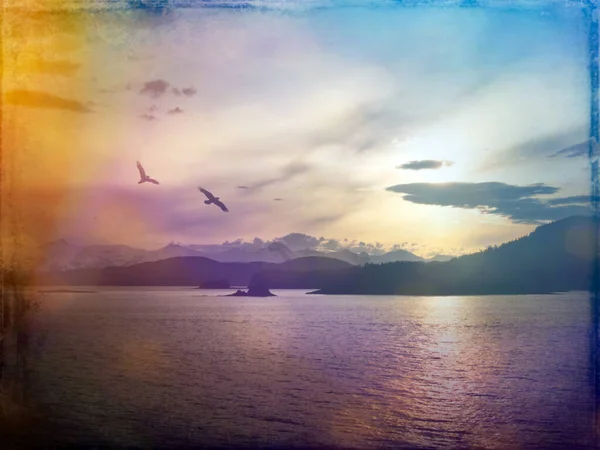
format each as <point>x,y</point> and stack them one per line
<point>445,129</point>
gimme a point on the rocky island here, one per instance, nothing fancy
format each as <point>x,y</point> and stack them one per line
<point>253,291</point>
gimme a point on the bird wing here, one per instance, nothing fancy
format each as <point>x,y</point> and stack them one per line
<point>205,192</point>
<point>220,204</point>
<point>141,169</point>
<point>152,180</point>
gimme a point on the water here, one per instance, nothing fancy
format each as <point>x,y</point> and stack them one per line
<point>172,367</point>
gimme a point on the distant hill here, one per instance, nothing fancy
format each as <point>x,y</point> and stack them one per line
<point>556,257</point>
<point>441,258</point>
<point>311,263</point>
<point>61,255</point>
<point>301,273</point>
<point>183,271</point>
<point>395,256</point>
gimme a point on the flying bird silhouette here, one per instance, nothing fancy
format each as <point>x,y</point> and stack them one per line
<point>212,199</point>
<point>143,175</point>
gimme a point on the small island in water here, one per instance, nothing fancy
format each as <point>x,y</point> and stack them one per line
<point>253,291</point>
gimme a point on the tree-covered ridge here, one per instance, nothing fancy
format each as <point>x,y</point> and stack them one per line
<point>556,257</point>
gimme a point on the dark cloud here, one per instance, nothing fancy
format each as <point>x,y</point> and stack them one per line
<point>573,200</point>
<point>189,92</point>
<point>37,99</point>
<point>242,187</point>
<point>148,117</point>
<point>574,151</point>
<point>278,199</point>
<point>155,88</point>
<point>514,202</point>
<point>158,88</point>
<point>468,195</point>
<point>177,110</point>
<point>424,164</point>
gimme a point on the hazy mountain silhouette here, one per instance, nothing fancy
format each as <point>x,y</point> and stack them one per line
<point>442,258</point>
<point>556,257</point>
<point>183,271</point>
<point>311,263</point>
<point>61,255</point>
<point>395,256</point>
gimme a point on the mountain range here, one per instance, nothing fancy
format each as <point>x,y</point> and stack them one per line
<point>61,255</point>
<point>556,257</point>
<point>185,271</point>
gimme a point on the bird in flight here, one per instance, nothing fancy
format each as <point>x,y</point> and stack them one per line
<point>143,176</point>
<point>212,199</point>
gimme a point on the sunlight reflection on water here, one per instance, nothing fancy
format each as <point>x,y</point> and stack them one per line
<point>151,367</point>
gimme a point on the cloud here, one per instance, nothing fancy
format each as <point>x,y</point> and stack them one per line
<point>280,248</point>
<point>370,125</point>
<point>354,246</point>
<point>242,187</point>
<point>514,202</point>
<point>424,164</point>
<point>278,199</point>
<point>468,195</point>
<point>299,241</point>
<point>573,200</point>
<point>148,117</point>
<point>189,92</point>
<point>574,151</point>
<point>289,171</point>
<point>37,99</point>
<point>158,88</point>
<point>155,88</point>
<point>324,219</point>
<point>531,150</point>
<point>177,110</point>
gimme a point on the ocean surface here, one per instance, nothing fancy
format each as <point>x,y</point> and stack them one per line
<point>181,367</point>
